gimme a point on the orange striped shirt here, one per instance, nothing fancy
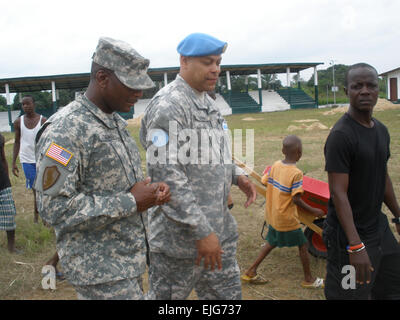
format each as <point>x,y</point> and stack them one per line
<point>283,181</point>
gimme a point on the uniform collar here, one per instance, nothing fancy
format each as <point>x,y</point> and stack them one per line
<point>111,122</point>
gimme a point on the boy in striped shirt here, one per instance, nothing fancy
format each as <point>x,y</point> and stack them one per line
<point>284,183</point>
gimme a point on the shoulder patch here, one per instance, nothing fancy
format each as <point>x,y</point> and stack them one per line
<point>59,154</point>
<point>159,137</point>
<point>50,177</point>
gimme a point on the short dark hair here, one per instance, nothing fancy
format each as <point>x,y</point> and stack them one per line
<point>28,96</point>
<point>356,66</point>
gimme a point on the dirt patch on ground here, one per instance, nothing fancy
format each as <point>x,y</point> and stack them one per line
<point>250,119</point>
<point>314,126</point>
<point>10,142</point>
<point>306,120</point>
<point>381,105</point>
<point>135,121</point>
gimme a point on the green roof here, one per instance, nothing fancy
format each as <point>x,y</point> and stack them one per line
<point>81,80</point>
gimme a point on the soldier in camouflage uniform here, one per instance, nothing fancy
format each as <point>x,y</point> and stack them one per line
<point>195,227</point>
<point>90,183</point>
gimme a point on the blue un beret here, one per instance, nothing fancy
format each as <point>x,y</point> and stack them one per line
<point>201,44</point>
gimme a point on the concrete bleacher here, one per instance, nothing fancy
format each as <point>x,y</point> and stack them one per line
<point>223,107</point>
<point>297,98</point>
<point>241,102</point>
<point>271,101</point>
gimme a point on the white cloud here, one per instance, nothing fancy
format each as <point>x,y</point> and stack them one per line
<point>59,37</point>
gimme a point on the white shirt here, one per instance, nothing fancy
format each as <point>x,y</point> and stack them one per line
<point>27,147</point>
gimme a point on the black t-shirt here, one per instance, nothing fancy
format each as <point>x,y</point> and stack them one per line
<point>4,179</point>
<point>362,153</point>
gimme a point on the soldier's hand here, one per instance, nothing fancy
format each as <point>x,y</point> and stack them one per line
<point>209,249</point>
<point>164,193</point>
<point>248,189</point>
<point>145,194</point>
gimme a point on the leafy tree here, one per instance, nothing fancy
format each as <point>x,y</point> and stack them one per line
<point>3,103</point>
<point>295,80</point>
<point>42,99</point>
<point>325,78</point>
<point>65,96</point>
<point>238,82</point>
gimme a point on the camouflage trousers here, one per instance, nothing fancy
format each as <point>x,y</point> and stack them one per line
<point>174,279</point>
<point>126,289</point>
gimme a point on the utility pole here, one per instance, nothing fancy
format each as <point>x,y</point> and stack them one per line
<point>334,86</point>
<point>327,95</point>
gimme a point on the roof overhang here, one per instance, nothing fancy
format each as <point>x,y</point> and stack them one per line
<point>387,72</point>
<point>270,68</point>
<point>81,80</point>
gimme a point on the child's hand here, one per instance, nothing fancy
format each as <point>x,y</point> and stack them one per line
<point>318,213</point>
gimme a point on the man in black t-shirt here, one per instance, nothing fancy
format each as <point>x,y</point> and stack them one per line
<point>356,232</point>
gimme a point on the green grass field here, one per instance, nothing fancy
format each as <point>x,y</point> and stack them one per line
<point>20,275</point>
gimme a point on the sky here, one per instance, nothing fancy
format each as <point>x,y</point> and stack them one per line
<point>42,38</point>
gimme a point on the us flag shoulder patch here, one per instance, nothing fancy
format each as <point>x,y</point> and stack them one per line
<point>59,154</point>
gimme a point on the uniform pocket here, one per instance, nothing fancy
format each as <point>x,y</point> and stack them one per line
<point>201,121</point>
<point>109,160</point>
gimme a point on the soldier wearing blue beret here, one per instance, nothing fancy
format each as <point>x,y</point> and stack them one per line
<point>193,238</point>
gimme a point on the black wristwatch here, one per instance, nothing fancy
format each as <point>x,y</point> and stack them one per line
<point>396,220</point>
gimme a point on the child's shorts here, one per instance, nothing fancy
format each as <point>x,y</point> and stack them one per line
<point>285,238</point>
<point>30,174</point>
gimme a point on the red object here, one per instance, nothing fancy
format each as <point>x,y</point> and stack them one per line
<point>359,246</point>
<point>317,242</point>
<point>316,192</point>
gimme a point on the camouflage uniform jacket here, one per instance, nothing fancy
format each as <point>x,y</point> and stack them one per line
<point>100,235</point>
<point>199,192</point>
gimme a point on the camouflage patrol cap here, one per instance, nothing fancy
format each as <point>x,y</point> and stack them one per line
<point>128,65</point>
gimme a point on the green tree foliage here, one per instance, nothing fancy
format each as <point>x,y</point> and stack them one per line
<point>65,96</point>
<point>3,103</point>
<point>43,99</point>
<point>325,78</point>
<point>295,81</point>
<point>238,82</point>
<point>325,83</point>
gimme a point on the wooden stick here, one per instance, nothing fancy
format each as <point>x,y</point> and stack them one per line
<point>252,173</point>
<point>304,216</point>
